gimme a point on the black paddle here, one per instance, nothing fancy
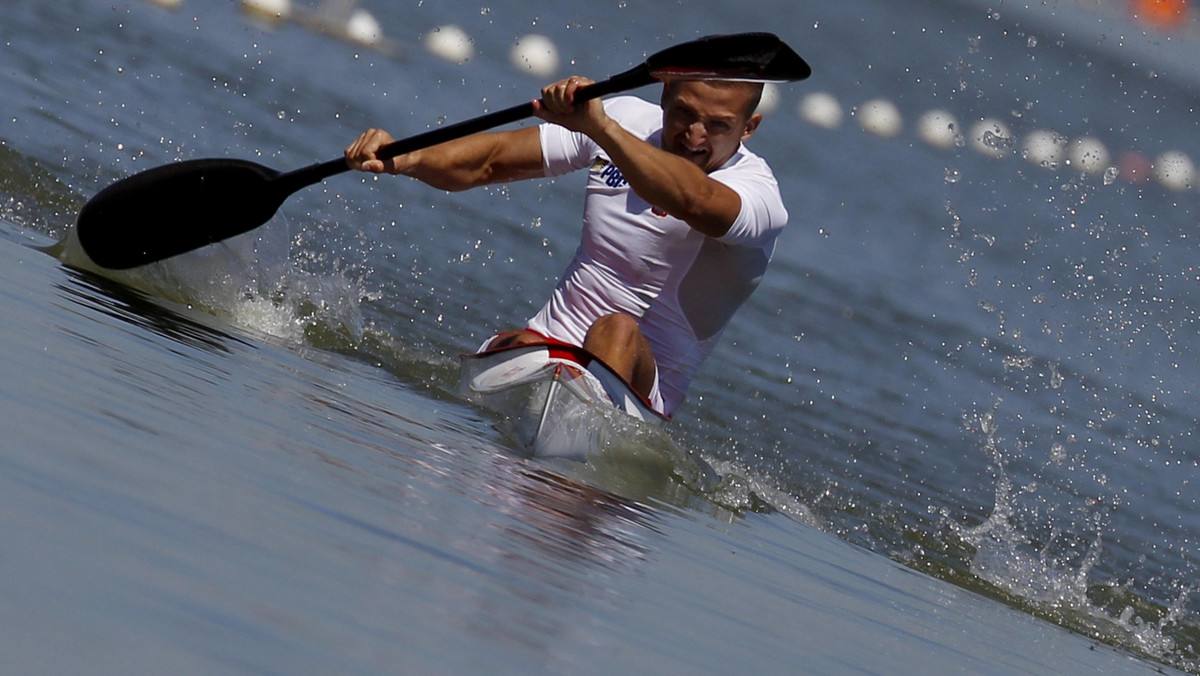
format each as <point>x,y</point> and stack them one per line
<point>181,207</point>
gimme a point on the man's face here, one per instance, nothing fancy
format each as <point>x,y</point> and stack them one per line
<point>704,123</point>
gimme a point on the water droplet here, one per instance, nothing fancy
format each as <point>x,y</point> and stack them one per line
<point>995,140</point>
<point>1056,378</point>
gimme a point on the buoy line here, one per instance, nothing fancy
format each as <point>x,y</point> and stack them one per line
<point>991,137</point>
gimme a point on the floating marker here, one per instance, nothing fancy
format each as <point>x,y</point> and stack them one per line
<point>770,99</point>
<point>1045,148</point>
<point>1134,167</point>
<point>880,117</point>
<point>270,10</point>
<point>169,4</point>
<point>820,109</point>
<point>1161,14</point>
<point>535,54</point>
<point>1175,170</point>
<point>991,137</point>
<point>362,28</point>
<point>1088,155</point>
<point>939,129</point>
<point>450,43</point>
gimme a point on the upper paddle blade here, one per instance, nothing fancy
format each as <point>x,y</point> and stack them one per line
<point>174,209</point>
<point>755,57</point>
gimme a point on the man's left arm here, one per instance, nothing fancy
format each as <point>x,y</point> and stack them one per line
<point>667,181</point>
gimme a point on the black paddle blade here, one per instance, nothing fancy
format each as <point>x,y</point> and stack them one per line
<point>755,57</point>
<point>174,209</point>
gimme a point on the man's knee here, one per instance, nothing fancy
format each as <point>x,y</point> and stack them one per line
<point>617,341</point>
<point>616,327</point>
<point>513,338</point>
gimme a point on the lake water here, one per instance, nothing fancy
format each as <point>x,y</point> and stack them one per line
<point>954,430</point>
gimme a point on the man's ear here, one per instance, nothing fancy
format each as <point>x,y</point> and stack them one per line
<point>752,125</point>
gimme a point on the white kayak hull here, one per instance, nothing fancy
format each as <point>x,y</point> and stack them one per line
<point>558,401</point>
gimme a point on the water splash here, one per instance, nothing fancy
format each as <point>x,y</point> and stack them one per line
<point>249,281</point>
<point>1019,553</point>
<point>1012,559</point>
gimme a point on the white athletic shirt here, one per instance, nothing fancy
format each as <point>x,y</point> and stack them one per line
<point>682,285</point>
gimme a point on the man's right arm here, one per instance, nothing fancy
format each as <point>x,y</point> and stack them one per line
<point>476,160</point>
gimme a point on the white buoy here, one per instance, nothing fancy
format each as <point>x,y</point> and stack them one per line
<point>820,109</point>
<point>1045,148</point>
<point>1088,155</point>
<point>362,28</point>
<point>169,4</point>
<point>534,54</point>
<point>1175,170</point>
<point>269,10</point>
<point>769,102</point>
<point>450,43</point>
<point>991,137</point>
<point>880,117</point>
<point>939,129</point>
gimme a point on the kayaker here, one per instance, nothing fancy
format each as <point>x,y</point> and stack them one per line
<point>679,224</point>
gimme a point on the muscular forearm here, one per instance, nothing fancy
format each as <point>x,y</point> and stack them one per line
<point>670,182</point>
<point>473,161</point>
<point>456,165</point>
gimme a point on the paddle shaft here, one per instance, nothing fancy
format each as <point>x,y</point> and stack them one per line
<point>169,210</point>
<point>292,181</point>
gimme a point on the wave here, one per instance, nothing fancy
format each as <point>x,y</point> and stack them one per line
<point>1039,547</point>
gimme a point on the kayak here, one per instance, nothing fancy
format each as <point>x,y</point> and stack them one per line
<point>558,400</point>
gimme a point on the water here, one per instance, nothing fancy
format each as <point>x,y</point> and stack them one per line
<point>955,424</point>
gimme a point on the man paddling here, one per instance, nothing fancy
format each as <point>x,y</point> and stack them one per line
<point>679,223</point>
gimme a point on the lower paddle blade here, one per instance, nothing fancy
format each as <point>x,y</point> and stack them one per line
<point>755,57</point>
<point>174,209</point>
